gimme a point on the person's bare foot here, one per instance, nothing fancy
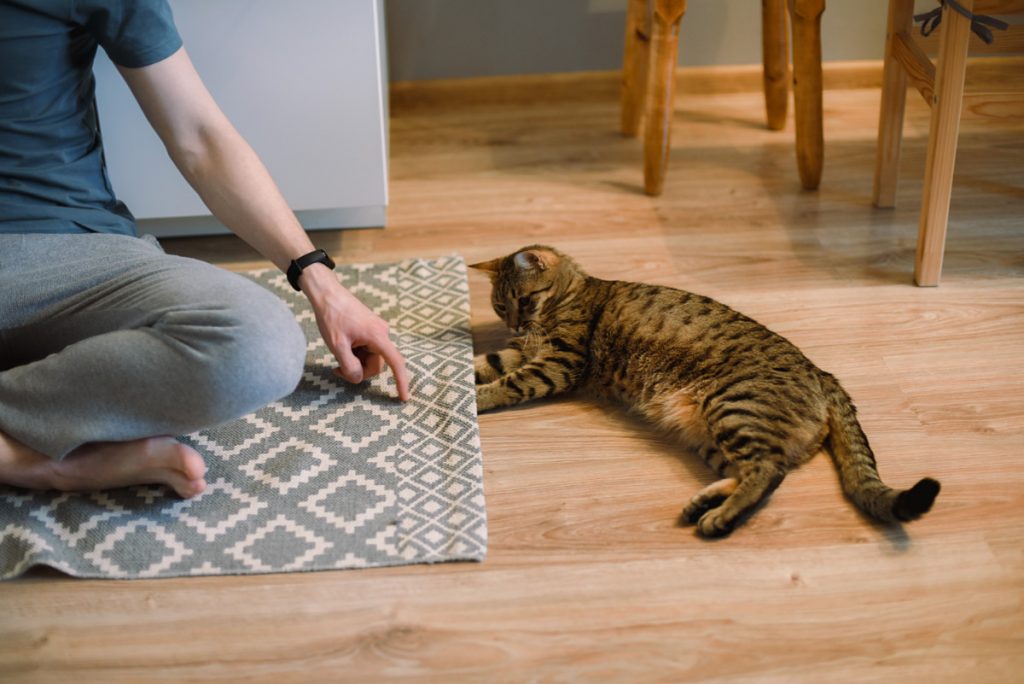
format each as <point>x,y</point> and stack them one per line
<point>105,465</point>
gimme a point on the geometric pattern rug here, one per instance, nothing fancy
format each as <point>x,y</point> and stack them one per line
<point>332,476</point>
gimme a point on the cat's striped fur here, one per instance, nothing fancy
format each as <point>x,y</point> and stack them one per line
<point>744,398</point>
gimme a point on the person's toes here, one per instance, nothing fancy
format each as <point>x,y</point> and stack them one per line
<point>191,488</point>
<point>198,487</point>
<point>190,463</point>
<point>183,470</point>
<point>184,487</point>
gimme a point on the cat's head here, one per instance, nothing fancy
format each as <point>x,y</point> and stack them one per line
<point>524,281</point>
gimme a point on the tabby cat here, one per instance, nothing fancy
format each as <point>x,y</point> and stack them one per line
<point>744,398</point>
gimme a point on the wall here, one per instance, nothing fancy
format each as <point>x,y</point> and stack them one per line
<point>430,39</point>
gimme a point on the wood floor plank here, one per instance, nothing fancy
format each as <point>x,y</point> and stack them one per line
<point>588,576</point>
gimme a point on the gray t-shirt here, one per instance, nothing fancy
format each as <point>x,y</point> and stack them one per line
<point>53,178</point>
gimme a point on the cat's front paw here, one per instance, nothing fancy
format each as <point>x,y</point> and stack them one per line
<point>483,370</point>
<point>485,398</point>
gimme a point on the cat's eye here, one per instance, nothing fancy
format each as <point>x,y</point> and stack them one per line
<point>524,302</point>
<point>500,308</point>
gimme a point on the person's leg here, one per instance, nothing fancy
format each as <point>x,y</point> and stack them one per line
<point>107,341</point>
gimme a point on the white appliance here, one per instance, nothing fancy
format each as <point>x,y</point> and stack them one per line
<point>305,82</point>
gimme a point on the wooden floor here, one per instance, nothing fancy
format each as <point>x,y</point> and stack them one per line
<point>588,578</point>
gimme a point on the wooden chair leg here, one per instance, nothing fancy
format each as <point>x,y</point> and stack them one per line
<point>942,141</point>
<point>894,99</point>
<point>810,144</point>
<point>661,91</point>
<point>775,51</point>
<point>634,66</point>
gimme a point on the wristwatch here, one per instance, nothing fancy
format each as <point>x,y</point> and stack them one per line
<point>295,269</point>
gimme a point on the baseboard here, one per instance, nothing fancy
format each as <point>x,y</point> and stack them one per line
<point>604,85</point>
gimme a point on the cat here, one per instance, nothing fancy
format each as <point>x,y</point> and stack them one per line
<point>741,396</point>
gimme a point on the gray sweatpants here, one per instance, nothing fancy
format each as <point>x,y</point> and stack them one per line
<point>107,338</point>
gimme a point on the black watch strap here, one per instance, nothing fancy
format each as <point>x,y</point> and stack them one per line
<point>295,269</point>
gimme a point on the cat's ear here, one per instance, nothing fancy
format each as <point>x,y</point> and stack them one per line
<point>488,267</point>
<point>530,259</point>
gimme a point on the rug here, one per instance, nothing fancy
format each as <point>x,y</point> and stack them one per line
<point>333,476</point>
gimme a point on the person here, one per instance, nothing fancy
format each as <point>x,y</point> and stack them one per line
<point>108,346</point>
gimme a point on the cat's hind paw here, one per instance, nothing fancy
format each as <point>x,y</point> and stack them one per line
<point>715,524</point>
<point>707,499</point>
<point>692,513</point>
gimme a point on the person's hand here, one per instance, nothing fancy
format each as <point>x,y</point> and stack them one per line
<point>356,336</point>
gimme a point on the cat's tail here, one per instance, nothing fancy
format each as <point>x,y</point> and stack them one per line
<point>858,471</point>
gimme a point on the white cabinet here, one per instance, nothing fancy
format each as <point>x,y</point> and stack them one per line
<point>305,82</point>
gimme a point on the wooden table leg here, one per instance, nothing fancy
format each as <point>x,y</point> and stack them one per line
<point>894,99</point>
<point>661,91</point>
<point>775,52</point>
<point>634,66</point>
<point>810,144</point>
<point>942,140</point>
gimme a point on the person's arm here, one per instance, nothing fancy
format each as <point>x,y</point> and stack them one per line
<point>221,166</point>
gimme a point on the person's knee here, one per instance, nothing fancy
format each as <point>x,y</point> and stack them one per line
<point>246,350</point>
<point>268,348</point>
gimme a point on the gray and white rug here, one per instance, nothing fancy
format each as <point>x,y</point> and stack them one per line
<point>332,476</point>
